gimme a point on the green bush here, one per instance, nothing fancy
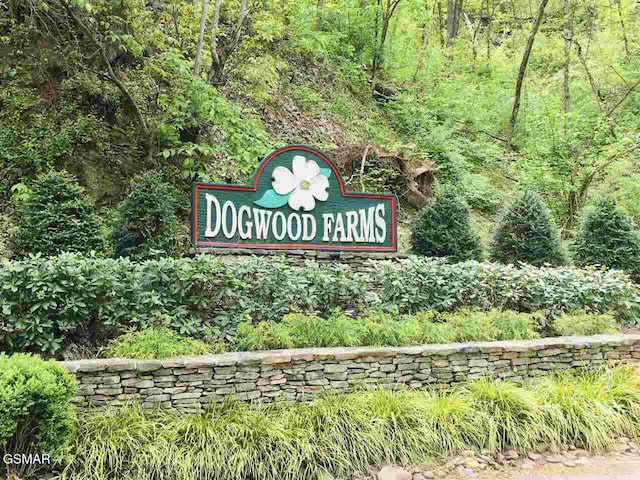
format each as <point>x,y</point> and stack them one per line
<point>419,284</point>
<point>606,237</point>
<point>47,302</point>
<point>343,434</point>
<point>525,232</point>
<point>57,217</point>
<point>157,342</point>
<point>581,323</point>
<point>443,229</point>
<point>147,224</point>
<point>36,415</point>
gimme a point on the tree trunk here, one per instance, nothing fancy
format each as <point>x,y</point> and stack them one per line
<point>568,29</point>
<point>318,23</point>
<point>454,12</point>
<point>440,24</point>
<point>522,72</point>
<point>216,64</point>
<point>203,24</point>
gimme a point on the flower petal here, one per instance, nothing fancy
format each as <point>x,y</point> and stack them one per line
<point>319,186</point>
<point>304,169</point>
<point>283,181</point>
<point>302,199</point>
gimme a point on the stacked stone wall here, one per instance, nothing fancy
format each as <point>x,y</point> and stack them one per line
<point>359,262</point>
<point>191,383</point>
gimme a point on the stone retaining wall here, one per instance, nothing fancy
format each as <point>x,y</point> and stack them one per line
<point>359,262</point>
<point>189,383</point>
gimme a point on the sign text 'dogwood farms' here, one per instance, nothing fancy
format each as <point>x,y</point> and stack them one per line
<point>297,201</point>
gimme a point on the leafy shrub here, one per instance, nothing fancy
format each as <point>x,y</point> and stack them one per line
<point>57,217</point>
<point>525,232</point>
<point>343,434</point>
<point>581,323</point>
<point>147,219</point>
<point>46,302</point>
<point>606,237</point>
<point>157,342</point>
<point>36,415</point>
<point>443,229</point>
<point>419,284</point>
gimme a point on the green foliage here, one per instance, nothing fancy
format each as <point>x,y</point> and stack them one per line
<point>57,217</point>
<point>581,323</point>
<point>156,343</point>
<point>443,229</point>
<point>36,415</point>
<point>425,284</point>
<point>525,232</point>
<point>383,329</point>
<point>47,302</point>
<point>147,219</point>
<point>342,434</point>
<point>606,237</point>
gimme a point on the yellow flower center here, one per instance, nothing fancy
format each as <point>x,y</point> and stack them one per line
<point>305,185</point>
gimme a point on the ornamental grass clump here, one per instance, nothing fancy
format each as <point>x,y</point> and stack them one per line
<point>583,323</point>
<point>341,434</point>
<point>157,343</point>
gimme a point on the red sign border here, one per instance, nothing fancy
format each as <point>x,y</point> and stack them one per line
<point>290,246</point>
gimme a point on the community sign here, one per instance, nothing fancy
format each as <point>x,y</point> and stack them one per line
<point>297,201</point>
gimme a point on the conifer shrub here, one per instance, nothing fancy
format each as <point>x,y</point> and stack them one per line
<point>443,229</point>
<point>525,232</point>
<point>36,415</point>
<point>147,223</point>
<point>606,237</point>
<point>57,217</point>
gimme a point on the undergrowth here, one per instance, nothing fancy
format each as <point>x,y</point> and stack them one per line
<point>343,434</point>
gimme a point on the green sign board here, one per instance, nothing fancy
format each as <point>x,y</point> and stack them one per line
<point>297,201</point>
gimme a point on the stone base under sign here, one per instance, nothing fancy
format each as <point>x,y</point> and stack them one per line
<point>191,383</point>
<point>358,261</point>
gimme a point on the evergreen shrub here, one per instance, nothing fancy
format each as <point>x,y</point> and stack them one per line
<point>443,229</point>
<point>525,232</point>
<point>36,415</point>
<point>147,223</point>
<point>606,237</point>
<point>57,217</point>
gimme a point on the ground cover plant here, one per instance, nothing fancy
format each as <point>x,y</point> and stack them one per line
<point>50,302</point>
<point>384,329</point>
<point>157,343</point>
<point>343,434</point>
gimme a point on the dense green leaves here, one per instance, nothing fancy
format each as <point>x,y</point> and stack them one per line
<point>147,223</point>
<point>57,217</point>
<point>443,229</point>
<point>35,406</point>
<point>606,237</point>
<point>526,232</point>
<point>49,302</point>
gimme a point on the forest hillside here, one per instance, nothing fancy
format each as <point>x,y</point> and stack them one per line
<point>483,97</point>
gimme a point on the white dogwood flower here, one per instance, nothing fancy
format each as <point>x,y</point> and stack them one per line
<point>305,184</point>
